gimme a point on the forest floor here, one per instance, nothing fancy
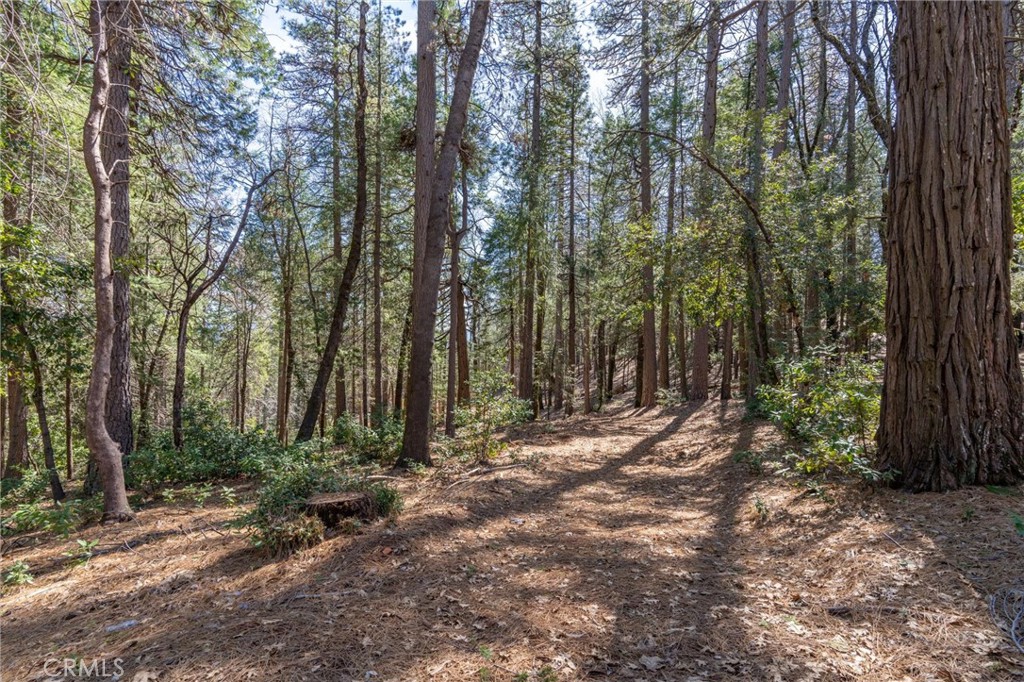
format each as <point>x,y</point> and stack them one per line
<point>629,545</point>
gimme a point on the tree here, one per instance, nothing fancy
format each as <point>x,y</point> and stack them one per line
<point>953,395</point>
<point>195,285</point>
<point>116,154</point>
<point>345,283</point>
<point>104,450</point>
<point>650,357</point>
<point>416,435</point>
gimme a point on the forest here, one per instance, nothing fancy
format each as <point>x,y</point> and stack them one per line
<point>513,340</point>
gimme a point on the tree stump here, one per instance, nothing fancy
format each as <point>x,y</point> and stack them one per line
<point>331,508</point>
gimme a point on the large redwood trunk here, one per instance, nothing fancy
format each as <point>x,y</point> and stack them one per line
<point>953,397</point>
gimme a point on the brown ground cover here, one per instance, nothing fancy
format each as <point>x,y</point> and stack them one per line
<point>623,546</point>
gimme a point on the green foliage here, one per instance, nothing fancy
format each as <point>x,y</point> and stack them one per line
<point>61,519</point>
<point>213,450</point>
<point>32,486</point>
<point>1018,523</point>
<point>18,574</point>
<point>379,444</point>
<point>831,409</point>
<point>493,406</point>
<point>82,553</point>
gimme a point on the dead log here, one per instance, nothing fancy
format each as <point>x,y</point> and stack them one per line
<point>331,508</point>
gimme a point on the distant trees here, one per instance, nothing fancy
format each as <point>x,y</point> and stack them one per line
<point>712,194</point>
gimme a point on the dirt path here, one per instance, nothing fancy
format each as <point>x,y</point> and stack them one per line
<point>635,548</point>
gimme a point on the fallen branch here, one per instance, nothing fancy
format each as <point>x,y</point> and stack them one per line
<point>474,474</point>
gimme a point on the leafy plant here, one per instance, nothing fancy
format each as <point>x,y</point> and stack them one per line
<point>278,522</point>
<point>213,450</point>
<point>61,519</point>
<point>379,444</point>
<point>831,409</point>
<point>81,555</point>
<point>18,573</point>
<point>492,407</point>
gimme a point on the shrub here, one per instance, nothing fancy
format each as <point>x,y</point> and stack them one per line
<point>830,408</point>
<point>278,522</point>
<point>379,444</point>
<point>33,485</point>
<point>18,573</point>
<point>493,406</point>
<point>62,518</point>
<point>212,450</point>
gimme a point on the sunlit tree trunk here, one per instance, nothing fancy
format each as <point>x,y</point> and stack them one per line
<point>528,389</point>
<point>649,380</point>
<point>116,153</point>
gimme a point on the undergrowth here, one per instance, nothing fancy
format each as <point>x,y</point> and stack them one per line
<point>278,522</point>
<point>830,410</point>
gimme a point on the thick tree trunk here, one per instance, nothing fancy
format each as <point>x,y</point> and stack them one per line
<point>538,344</point>
<point>104,450</point>
<point>17,427</point>
<point>453,331</point>
<point>116,153</point>
<point>726,392</point>
<point>571,359</point>
<point>178,393</point>
<point>613,351</point>
<point>852,313</point>
<point>403,345</point>
<point>337,184</point>
<point>759,361</point>
<point>416,437</point>
<point>344,289</point>
<point>379,402</point>
<point>953,395</point>
<point>684,386</point>
<point>668,279</point>
<point>602,363</point>
<point>284,365</point>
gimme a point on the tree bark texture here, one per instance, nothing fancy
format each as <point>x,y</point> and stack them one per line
<point>953,395</point>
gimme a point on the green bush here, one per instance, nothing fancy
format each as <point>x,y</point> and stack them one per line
<point>830,408</point>
<point>62,518</point>
<point>212,450</point>
<point>18,573</point>
<point>493,406</point>
<point>379,444</point>
<point>31,486</point>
